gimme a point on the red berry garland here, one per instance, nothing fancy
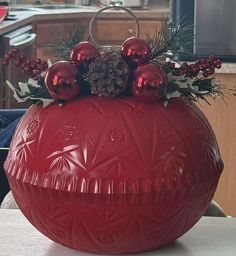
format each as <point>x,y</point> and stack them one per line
<point>33,68</point>
<point>205,66</point>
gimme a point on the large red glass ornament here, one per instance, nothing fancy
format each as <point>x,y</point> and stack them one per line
<point>136,51</point>
<point>149,83</point>
<point>61,81</point>
<point>113,175</point>
<point>82,55</point>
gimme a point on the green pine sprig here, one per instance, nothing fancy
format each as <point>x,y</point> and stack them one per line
<point>193,89</point>
<point>62,47</point>
<point>172,38</point>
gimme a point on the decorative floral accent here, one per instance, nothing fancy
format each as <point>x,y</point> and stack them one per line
<point>33,68</point>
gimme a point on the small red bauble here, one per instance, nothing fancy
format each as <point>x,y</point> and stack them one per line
<point>83,54</point>
<point>136,51</point>
<point>61,81</point>
<point>149,83</point>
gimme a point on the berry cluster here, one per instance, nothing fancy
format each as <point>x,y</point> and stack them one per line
<point>205,66</point>
<point>33,68</point>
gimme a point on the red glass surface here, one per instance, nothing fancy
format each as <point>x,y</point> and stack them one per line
<point>3,12</point>
<point>114,175</point>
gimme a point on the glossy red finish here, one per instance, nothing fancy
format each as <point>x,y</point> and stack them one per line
<point>149,83</point>
<point>114,175</point>
<point>83,54</point>
<point>3,12</point>
<point>61,81</point>
<point>136,50</point>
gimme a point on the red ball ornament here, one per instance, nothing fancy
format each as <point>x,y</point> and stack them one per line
<point>149,83</point>
<point>61,81</point>
<point>136,51</point>
<point>82,55</point>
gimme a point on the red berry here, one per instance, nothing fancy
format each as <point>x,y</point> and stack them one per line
<point>22,56</point>
<point>33,65</point>
<point>17,62</point>
<point>209,62</point>
<point>36,77</point>
<point>12,54</point>
<point>195,69</point>
<point>211,57</point>
<point>39,66</point>
<point>15,50</point>
<point>26,69</point>
<point>201,61</point>
<point>35,72</point>
<point>191,66</point>
<point>5,62</point>
<point>217,61</point>
<point>211,72</point>
<point>44,65</point>
<point>7,56</point>
<point>203,67</point>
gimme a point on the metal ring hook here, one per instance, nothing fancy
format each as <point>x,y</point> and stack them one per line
<point>112,7</point>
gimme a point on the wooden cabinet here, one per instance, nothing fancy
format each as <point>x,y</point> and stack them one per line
<point>106,31</point>
<point>114,31</point>
<point>222,116</point>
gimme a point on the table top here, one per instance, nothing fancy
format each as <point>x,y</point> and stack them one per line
<point>210,236</point>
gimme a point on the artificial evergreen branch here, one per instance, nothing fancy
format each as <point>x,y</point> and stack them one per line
<point>193,89</point>
<point>32,90</point>
<point>172,38</point>
<point>62,47</point>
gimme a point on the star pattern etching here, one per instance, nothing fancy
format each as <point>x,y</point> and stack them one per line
<point>66,159</point>
<point>24,149</point>
<point>174,159</point>
<point>32,126</point>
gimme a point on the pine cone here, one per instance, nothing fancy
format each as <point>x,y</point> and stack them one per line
<point>108,74</point>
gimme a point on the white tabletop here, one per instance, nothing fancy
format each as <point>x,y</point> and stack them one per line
<point>211,236</point>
